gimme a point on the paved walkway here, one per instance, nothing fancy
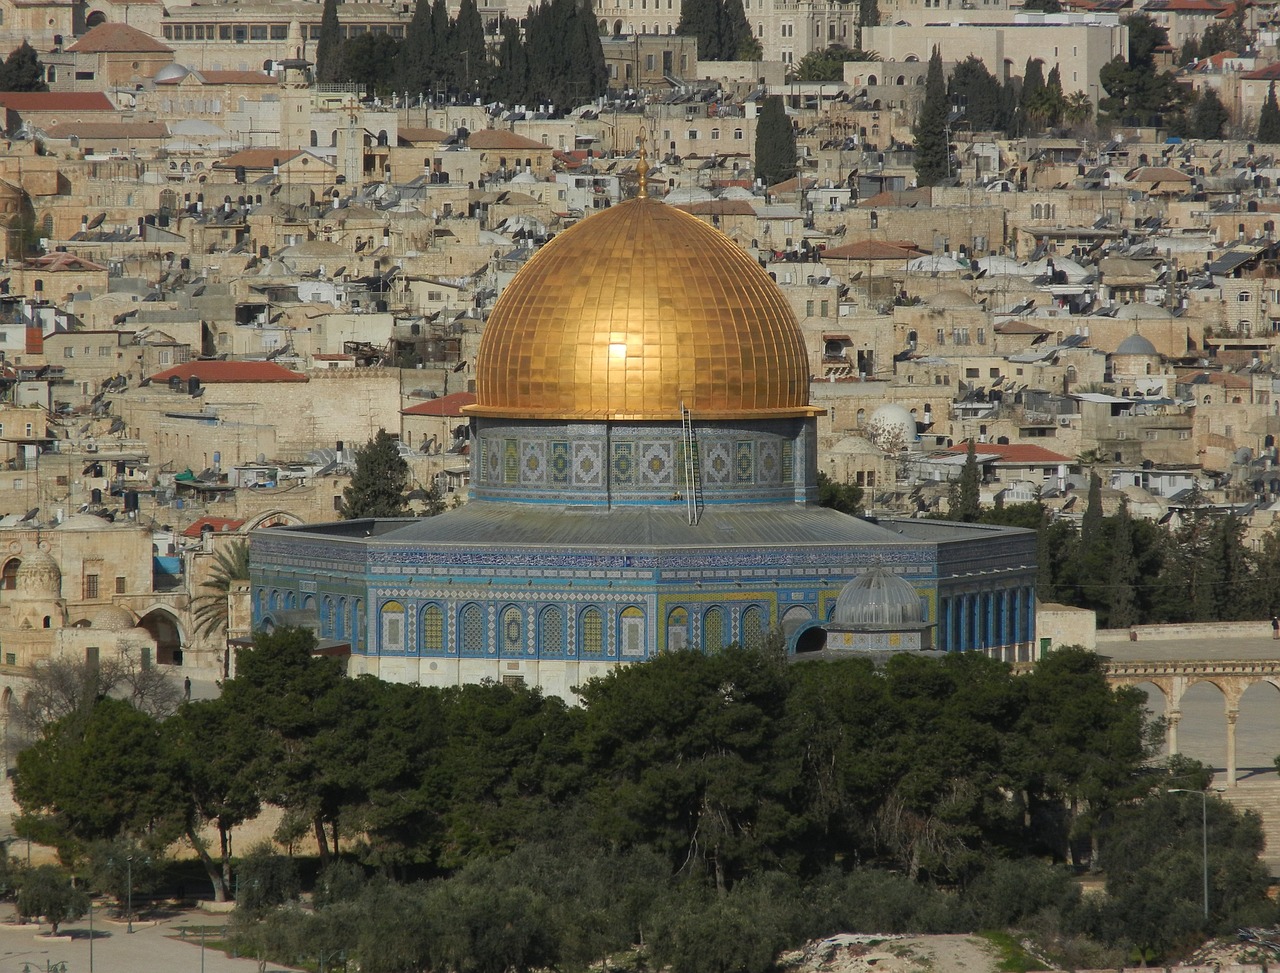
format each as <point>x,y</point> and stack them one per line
<point>152,948</point>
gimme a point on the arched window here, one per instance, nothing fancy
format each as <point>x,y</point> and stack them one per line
<point>9,577</point>
<point>326,615</point>
<point>512,626</point>
<point>273,602</point>
<point>391,637</point>
<point>631,632</point>
<point>46,225</point>
<point>677,630</point>
<point>713,630</point>
<point>551,631</point>
<point>432,629</point>
<point>1244,297</point>
<point>471,627</point>
<point>315,138</point>
<point>591,633</point>
<point>752,628</point>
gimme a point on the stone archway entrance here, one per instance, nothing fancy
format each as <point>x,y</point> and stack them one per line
<point>163,628</point>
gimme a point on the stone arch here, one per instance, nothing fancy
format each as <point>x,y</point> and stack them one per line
<point>471,639</point>
<point>273,518</point>
<point>432,628</point>
<point>95,19</point>
<point>591,632</point>
<point>511,630</point>
<point>714,629</point>
<point>551,631</point>
<point>9,574</point>
<point>162,625</point>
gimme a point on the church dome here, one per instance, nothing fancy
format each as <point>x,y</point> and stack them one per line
<point>880,598</point>
<point>112,618</point>
<point>633,312</point>
<point>39,574</point>
<point>1135,344</point>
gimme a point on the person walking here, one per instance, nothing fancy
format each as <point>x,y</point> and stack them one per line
<point>1275,626</point>
<point>186,685</point>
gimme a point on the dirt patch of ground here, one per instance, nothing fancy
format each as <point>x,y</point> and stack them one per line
<point>893,954</point>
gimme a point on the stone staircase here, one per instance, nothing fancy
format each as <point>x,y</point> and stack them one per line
<point>1262,796</point>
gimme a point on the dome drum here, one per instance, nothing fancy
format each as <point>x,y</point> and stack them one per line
<point>590,463</point>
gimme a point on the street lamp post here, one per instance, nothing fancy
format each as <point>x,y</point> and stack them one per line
<point>128,914</point>
<point>1204,837</point>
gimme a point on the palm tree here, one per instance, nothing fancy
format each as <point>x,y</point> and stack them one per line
<point>231,564</point>
<point>1078,108</point>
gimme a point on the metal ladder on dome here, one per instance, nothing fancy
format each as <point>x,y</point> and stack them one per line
<point>692,468</point>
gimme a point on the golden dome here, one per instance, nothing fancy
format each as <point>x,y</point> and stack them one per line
<point>633,312</point>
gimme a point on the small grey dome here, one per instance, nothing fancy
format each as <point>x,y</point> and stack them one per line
<point>1135,344</point>
<point>171,72</point>
<point>878,597</point>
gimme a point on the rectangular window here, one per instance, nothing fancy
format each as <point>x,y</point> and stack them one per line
<point>11,658</point>
<point>104,351</point>
<point>199,32</point>
<point>279,32</point>
<point>512,680</point>
<point>942,340</point>
<point>90,587</point>
<point>240,33</point>
<point>313,32</point>
<point>119,584</point>
<point>394,631</point>
<point>62,480</point>
<point>68,352</point>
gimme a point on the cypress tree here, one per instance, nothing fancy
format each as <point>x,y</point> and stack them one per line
<point>468,35</point>
<point>775,143</point>
<point>512,80</point>
<point>977,89</point>
<point>1031,114</point>
<point>441,34</point>
<point>737,42</point>
<point>329,45</point>
<point>868,14</point>
<point>933,154</point>
<point>966,501</point>
<point>417,52</point>
<point>1122,610</point>
<point>1269,119</point>
<point>1053,97</point>
<point>1209,117</point>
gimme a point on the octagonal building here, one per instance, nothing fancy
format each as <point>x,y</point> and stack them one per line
<point>643,480</point>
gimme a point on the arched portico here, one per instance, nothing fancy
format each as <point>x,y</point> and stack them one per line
<point>1175,679</point>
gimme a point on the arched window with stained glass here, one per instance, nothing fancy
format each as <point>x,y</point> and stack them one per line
<point>326,615</point>
<point>551,638</point>
<point>471,630</point>
<point>357,623</point>
<point>432,629</point>
<point>713,630</point>
<point>340,619</point>
<point>752,628</point>
<point>391,627</point>
<point>512,630</point>
<point>591,633</point>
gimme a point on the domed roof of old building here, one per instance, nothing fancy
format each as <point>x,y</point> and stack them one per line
<point>633,313</point>
<point>878,597</point>
<point>39,574</point>
<point>112,618</point>
<point>1135,344</point>
<point>892,427</point>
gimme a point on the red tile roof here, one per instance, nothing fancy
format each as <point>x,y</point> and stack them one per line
<point>412,135</point>
<point>1270,73</point>
<point>447,405</point>
<point>56,101</point>
<point>218,525</point>
<point>113,38</point>
<point>221,372</point>
<point>874,250</point>
<point>1014,452</point>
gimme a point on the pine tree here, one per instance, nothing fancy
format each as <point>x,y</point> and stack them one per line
<point>380,482</point>
<point>329,45</point>
<point>933,153</point>
<point>977,90</point>
<point>1269,120</point>
<point>22,70</point>
<point>775,143</point>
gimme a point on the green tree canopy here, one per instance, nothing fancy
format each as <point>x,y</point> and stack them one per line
<point>1269,118</point>
<point>329,53</point>
<point>1209,116</point>
<point>380,481</point>
<point>22,70</point>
